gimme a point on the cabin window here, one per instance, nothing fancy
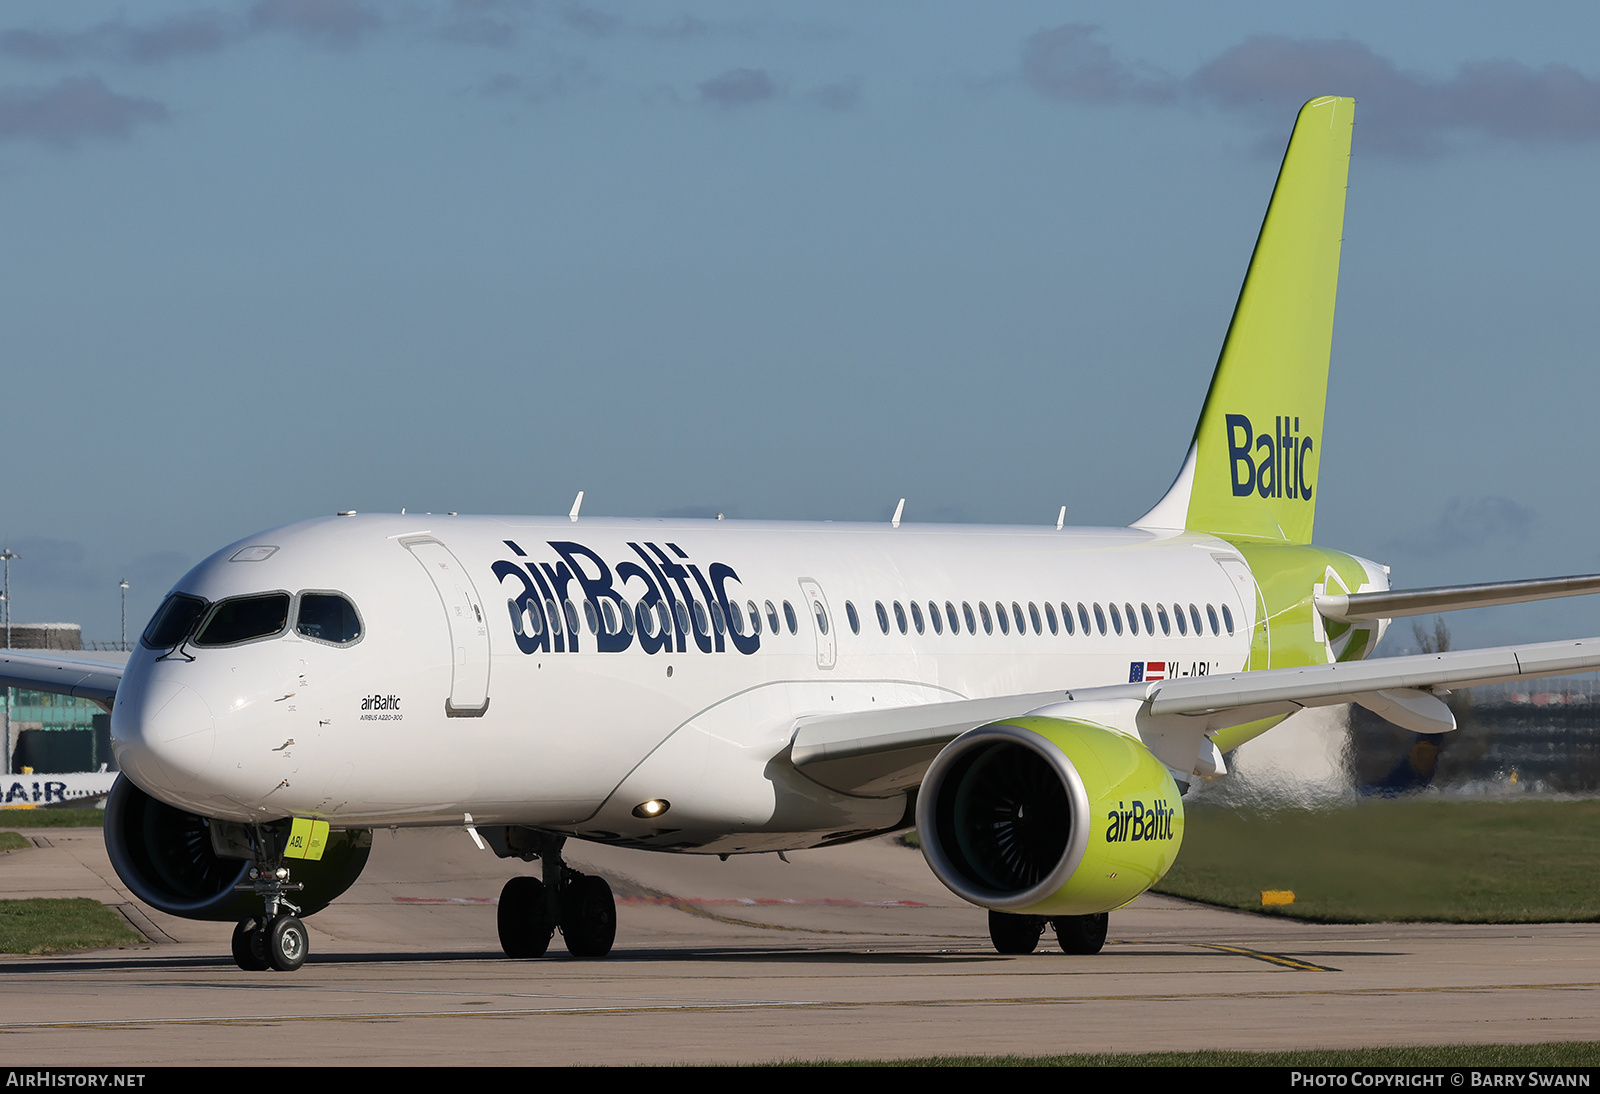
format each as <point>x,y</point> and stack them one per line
<point>1149,622</point>
<point>1227,619</point>
<point>790,618</point>
<point>1194,615</point>
<point>1000,615</point>
<point>950,614</point>
<point>988,620</point>
<point>1099,618</point>
<point>772,619</point>
<point>1133,620</point>
<point>1116,618</point>
<point>735,618</point>
<point>245,619</point>
<point>916,616</point>
<point>646,618</point>
<point>717,620</point>
<point>883,617</point>
<point>554,616</point>
<point>1178,618</point>
<point>608,615</point>
<point>899,617</point>
<point>682,615</point>
<point>1166,624</point>
<point>591,617</point>
<point>1033,616</point>
<point>700,622</point>
<point>850,614</point>
<point>934,618</point>
<point>173,622</point>
<point>1211,614</point>
<point>822,616</point>
<point>966,610</point>
<point>755,617</point>
<point>1050,618</point>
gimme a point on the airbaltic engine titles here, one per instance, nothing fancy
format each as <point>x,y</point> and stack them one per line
<point>665,590</point>
<point>1140,822</point>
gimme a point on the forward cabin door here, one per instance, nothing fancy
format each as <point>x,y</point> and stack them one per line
<point>469,629</point>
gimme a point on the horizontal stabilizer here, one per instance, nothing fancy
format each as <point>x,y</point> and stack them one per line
<point>1353,607</point>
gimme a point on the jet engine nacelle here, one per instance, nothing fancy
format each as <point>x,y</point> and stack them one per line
<point>1048,816</point>
<point>169,859</point>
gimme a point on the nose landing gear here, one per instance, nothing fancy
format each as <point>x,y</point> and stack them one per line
<point>277,939</point>
<point>580,904</point>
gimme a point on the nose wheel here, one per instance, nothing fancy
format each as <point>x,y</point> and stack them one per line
<point>276,939</point>
<point>280,944</point>
<point>581,905</point>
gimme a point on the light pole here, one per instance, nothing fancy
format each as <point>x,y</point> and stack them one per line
<point>123,585</point>
<point>7,555</point>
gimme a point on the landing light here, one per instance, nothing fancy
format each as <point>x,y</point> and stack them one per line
<point>651,809</point>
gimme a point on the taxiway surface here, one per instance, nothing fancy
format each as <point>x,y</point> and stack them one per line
<point>854,952</point>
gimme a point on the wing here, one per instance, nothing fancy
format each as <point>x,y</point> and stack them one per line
<point>96,680</point>
<point>883,752</point>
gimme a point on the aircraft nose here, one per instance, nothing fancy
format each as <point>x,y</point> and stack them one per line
<point>165,737</point>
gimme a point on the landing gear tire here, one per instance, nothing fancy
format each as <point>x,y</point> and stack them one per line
<point>1082,934</point>
<point>1014,934</point>
<point>250,947</point>
<point>286,943</point>
<point>588,917</point>
<point>524,931</point>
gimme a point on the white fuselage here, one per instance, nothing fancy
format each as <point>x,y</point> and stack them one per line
<point>459,699</point>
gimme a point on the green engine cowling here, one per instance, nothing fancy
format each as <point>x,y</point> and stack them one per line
<point>1048,816</point>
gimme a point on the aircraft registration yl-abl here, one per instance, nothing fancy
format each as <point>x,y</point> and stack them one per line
<point>1035,700</point>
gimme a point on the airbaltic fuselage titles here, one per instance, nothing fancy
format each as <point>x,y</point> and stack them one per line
<point>646,600</point>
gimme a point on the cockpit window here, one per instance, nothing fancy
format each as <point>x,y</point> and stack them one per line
<point>243,618</point>
<point>173,621</point>
<point>328,617</point>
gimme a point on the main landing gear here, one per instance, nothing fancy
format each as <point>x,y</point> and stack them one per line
<point>1079,934</point>
<point>276,939</point>
<point>580,904</point>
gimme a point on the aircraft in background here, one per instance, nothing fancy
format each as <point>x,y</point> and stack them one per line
<point>1034,700</point>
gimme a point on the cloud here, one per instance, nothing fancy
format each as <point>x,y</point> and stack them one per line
<point>1266,78</point>
<point>156,571</point>
<point>56,564</point>
<point>844,95</point>
<point>115,40</point>
<point>77,108</point>
<point>338,23</point>
<point>738,87</point>
<point>1467,524</point>
<point>1067,63</point>
<point>560,76</point>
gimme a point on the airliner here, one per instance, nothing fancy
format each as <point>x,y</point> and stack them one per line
<point>1034,700</point>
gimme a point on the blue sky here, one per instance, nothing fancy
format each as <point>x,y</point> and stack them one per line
<point>271,260</point>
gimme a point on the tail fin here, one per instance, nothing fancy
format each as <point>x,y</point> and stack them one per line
<point>1252,466</point>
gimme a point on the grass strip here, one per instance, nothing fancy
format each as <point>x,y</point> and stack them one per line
<point>52,926</point>
<point>52,818</point>
<point>1546,1054</point>
<point>11,841</point>
<point>1409,859</point>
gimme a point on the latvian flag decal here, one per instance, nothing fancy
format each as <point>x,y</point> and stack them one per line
<point>1141,671</point>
